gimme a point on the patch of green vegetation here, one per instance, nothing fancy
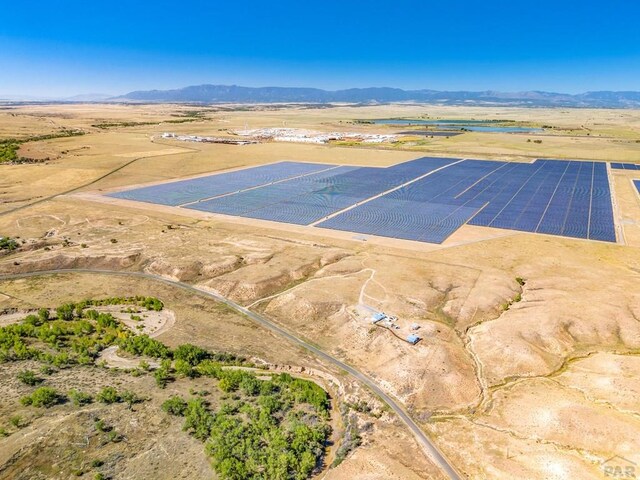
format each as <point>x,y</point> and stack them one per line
<point>17,421</point>
<point>79,398</point>
<point>275,429</point>
<point>9,146</point>
<point>144,345</point>
<point>107,125</point>
<point>29,377</point>
<point>9,150</point>
<point>347,143</point>
<point>76,334</point>
<point>175,405</point>
<point>43,397</point>
<point>184,120</point>
<point>7,243</point>
<point>265,428</point>
<point>108,395</point>
<point>163,374</point>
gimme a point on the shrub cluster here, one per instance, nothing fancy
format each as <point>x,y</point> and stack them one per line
<point>269,434</point>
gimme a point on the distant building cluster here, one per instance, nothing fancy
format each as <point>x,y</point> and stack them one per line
<point>299,135</point>
<point>195,138</point>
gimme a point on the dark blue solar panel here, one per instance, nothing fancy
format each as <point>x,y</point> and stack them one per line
<point>184,191</point>
<point>244,203</point>
<point>625,166</point>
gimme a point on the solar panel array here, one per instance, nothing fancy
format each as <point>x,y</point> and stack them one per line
<point>547,196</point>
<point>625,166</point>
<point>426,199</point>
<point>568,198</point>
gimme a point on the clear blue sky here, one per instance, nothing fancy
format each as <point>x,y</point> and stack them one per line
<point>65,47</point>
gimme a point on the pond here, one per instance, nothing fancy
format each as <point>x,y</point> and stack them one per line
<point>468,125</point>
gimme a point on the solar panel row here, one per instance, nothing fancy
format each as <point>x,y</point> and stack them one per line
<point>625,166</point>
<point>637,184</point>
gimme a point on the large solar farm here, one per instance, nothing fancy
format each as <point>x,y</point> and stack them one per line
<point>424,200</point>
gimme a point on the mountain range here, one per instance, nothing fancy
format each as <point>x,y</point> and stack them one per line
<point>211,94</point>
<point>239,94</point>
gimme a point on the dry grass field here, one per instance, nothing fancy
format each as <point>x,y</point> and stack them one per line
<point>529,362</point>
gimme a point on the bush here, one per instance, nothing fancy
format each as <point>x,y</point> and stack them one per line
<point>43,397</point>
<point>79,398</point>
<point>210,368</point>
<point>184,369</point>
<point>33,320</point>
<point>65,312</point>
<point>162,377</point>
<point>101,426</point>
<point>108,395</point>
<point>29,378</point>
<point>44,315</point>
<point>175,406</point>
<point>17,421</point>
<point>130,398</point>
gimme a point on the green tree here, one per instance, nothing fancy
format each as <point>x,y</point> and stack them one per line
<point>43,397</point>
<point>191,354</point>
